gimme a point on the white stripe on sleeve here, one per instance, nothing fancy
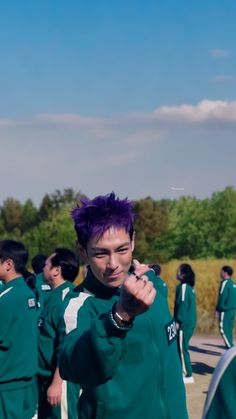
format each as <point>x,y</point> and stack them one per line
<point>71,311</point>
<point>223,287</point>
<point>5,291</point>
<point>183,289</point>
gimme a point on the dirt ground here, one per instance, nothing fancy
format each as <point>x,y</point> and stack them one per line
<point>205,352</point>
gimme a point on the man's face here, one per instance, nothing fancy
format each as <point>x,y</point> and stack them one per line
<point>110,256</point>
<point>223,274</point>
<point>178,275</point>
<point>5,268</point>
<point>48,270</point>
<point>2,270</point>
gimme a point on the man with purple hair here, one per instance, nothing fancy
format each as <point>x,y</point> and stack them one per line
<point>122,347</point>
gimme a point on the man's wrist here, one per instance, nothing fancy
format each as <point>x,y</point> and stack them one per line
<point>121,313</point>
<point>119,324</point>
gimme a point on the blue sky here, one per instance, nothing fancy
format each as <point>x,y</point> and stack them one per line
<point>135,96</point>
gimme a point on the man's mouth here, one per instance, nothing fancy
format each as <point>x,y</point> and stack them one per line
<point>112,275</point>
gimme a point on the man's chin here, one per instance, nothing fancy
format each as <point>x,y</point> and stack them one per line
<point>113,282</point>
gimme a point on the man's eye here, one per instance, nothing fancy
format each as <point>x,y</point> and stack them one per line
<point>123,250</point>
<point>100,255</point>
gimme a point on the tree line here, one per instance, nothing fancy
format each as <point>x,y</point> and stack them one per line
<point>166,229</point>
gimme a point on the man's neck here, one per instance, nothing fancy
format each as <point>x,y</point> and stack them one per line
<point>57,283</point>
<point>10,277</point>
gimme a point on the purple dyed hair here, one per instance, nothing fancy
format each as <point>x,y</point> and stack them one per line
<point>92,218</point>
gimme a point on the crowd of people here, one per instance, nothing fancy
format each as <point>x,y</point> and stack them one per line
<point>109,348</point>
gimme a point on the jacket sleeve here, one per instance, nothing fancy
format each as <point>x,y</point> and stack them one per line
<point>181,304</point>
<point>220,401</point>
<point>223,297</point>
<point>67,322</point>
<point>91,353</point>
<point>7,312</point>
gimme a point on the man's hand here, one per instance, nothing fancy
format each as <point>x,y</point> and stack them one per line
<point>54,391</point>
<point>140,268</point>
<point>137,293</point>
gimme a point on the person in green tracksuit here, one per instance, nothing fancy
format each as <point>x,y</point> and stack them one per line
<point>160,284</point>
<point>221,397</point>
<point>122,349</point>
<point>43,291</point>
<point>60,270</point>
<point>185,316</point>
<point>38,263</point>
<point>226,305</point>
<point>18,335</point>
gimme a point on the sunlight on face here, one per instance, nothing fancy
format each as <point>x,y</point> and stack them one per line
<point>110,256</point>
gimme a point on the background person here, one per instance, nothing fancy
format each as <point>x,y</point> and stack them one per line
<point>38,263</point>
<point>160,284</point>
<point>226,305</point>
<point>185,316</point>
<point>18,335</point>
<point>43,288</point>
<point>60,270</point>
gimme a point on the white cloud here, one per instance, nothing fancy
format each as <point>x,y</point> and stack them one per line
<point>219,53</point>
<point>145,137</point>
<point>146,123</point>
<point>70,119</point>
<point>205,111</point>
<point>5,122</point>
<point>137,154</point>
<point>222,78</point>
<point>136,128</point>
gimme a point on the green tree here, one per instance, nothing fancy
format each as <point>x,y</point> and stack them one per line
<point>30,216</point>
<point>53,202</point>
<point>11,216</point>
<point>151,223</point>
<point>222,223</point>
<point>49,234</point>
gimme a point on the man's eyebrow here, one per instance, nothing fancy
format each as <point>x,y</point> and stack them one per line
<point>104,249</point>
<point>123,245</point>
<point>99,249</point>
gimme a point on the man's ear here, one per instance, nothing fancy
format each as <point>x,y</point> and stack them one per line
<point>83,254</point>
<point>9,264</point>
<point>56,270</point>
<point>133,241</point>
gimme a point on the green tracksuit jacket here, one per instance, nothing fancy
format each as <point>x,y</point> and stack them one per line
<point>226,306</point>
<point>43,291</point>
<point>48,338</point>
<point>18,335</point>
<point>161,286</point>
<point>185,316</point>
<point>124,374</point>
<point>221,397</point>
<point>185,306</point>
<point>227,296</point>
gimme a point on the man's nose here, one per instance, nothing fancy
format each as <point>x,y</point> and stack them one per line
<point>112,262</point>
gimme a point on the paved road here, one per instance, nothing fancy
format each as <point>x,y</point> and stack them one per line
<point>205,352</point>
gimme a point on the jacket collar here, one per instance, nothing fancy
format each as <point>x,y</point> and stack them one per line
<point>16,281</point>
<point>93,285</point>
